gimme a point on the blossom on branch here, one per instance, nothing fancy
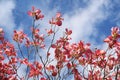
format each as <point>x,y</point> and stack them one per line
<point>57,20</point>
<point>36,13</point>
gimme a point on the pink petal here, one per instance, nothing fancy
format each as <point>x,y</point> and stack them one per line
<point>58,14</point>
<point>108,39</point>
<point>37,11</point>
<point>29,13</point>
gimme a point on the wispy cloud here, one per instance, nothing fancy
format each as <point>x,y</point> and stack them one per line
<point>6,15</point>
<point>84,20</point>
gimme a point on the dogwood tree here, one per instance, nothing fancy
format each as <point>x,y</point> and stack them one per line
<point>62,59</point>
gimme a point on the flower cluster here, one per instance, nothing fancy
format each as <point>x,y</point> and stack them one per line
<point>36,13</point>
<point>57,20</point>
<point>112,40</point>
<point>19,36</point>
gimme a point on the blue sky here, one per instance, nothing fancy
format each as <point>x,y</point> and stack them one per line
<point>90,20</point>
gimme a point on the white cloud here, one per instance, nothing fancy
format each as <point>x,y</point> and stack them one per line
<point>6,15</point>
<point>83,21</point>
